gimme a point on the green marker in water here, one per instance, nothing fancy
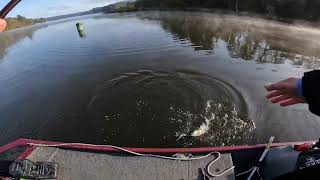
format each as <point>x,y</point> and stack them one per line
<point>80,29</point>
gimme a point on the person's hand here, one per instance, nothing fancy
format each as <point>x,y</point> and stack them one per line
<point>285,92</point>
<point>3,25</point>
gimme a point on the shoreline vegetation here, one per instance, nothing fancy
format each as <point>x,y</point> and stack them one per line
<point>285,10</point>
<point>20,21</point>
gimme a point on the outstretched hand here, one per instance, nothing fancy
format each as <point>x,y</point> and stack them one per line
<point>3,25</point>
<point>285,92</point>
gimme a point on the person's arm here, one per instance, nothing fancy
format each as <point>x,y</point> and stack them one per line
<point>311,90</point>
<point>3,25</point>
<point>294,90</point>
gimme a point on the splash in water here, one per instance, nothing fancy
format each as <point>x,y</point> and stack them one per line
<point>204,126</point>
<point>222,126</point>
<point>183,108</point>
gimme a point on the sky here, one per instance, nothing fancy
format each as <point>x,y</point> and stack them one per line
<point>48,8</point>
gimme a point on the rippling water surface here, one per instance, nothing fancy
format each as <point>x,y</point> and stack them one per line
<point>155,79</point>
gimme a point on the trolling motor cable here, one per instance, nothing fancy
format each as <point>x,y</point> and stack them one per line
<point>256,167</point>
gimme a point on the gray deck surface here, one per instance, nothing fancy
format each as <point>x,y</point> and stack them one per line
<point>85,165</point>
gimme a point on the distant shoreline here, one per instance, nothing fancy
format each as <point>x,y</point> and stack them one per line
<point>14,23</point>
<point>228,12</point>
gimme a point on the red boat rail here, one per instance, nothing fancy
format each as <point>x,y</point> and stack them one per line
<point>32,144</point>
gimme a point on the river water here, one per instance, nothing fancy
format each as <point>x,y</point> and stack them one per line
<point>154,79</point>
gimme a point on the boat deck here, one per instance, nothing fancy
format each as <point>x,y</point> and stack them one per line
<point>88,165</point>
<point>87,161</point>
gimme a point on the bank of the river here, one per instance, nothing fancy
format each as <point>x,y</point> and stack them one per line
<point>298,11</point>
<point>289,9</point>
<point>289,21</point>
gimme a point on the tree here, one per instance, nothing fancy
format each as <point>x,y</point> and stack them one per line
<point>21,18</point>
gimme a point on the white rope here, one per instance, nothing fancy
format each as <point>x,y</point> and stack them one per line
<point>258,172</point>
<point>265,152</point>
<point>216,159</point>
<point>245,172</point>
<point>181,158</point>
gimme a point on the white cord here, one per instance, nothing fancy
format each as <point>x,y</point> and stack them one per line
<point>245,172</point>
<point>265,152</point>
<point>258,172</point>
<point>147,155</point>
<point>221,174</point>
<point>125,150</point>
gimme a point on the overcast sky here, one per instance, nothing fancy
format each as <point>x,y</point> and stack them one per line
<point>47,8</point>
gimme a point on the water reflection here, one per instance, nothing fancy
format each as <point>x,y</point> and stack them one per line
<point>250,39</point>
<point>153,80</point>
<point>10,38</point>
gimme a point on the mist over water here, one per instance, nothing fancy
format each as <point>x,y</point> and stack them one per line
<point>154,79</point>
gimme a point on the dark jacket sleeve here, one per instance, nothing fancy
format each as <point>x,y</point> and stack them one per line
<point>311,90</point>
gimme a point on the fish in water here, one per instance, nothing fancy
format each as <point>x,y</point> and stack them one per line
<point>201,130</point>
<point>204,127</point>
